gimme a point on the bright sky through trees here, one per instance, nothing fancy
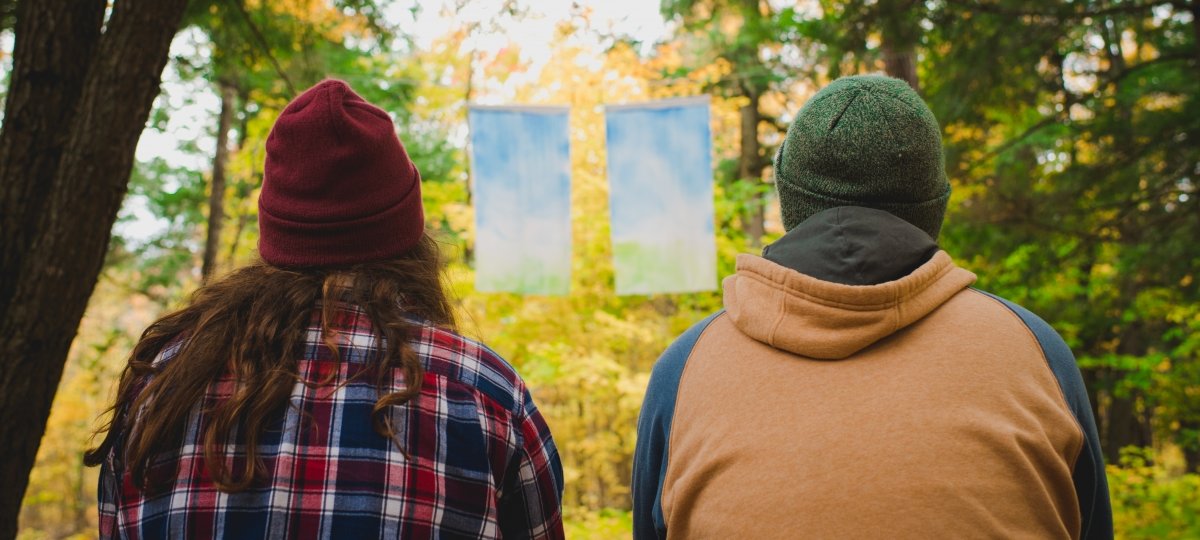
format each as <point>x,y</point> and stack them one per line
<point>531,34</point>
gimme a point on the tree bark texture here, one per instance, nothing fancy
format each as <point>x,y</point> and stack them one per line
<point>216,195</point>
<point>901,63</point>
<point>54,41</point>
<point>66,222</point>
<point>750,165</point>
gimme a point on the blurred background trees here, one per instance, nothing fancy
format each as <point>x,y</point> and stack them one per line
<point>1071,133</point>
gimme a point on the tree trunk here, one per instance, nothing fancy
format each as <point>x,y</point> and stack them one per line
<point>901,63</point>
<point>1196,27</point>
<point>216,196</point>
<point>468,97</point>
<point>241,189</point>
<point>1122,427</point>
<point>68,231</point>
<point>900,31</point>
<point>53,42</point>
<point>1191,450</point>
<point>750,166</point>
<point>1129,421</point>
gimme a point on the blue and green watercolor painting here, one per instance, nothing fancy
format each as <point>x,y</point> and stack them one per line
<point>661,196</point>
<point>521,167</point>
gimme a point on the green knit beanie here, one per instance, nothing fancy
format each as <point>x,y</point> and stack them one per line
<point>864,141</point>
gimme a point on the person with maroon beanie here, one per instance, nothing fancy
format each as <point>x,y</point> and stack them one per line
<point>338,188</point>
<point>323,392</point>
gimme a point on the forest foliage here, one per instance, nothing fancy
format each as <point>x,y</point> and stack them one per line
<point>1071,133</point>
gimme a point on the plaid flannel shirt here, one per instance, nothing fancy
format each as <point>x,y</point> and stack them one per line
<point>483,464</point>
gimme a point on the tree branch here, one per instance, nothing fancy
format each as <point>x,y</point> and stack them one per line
<point>992,8</point>
<point>1018,139</point>
<point>262,43</point>
<point>1142,65</point>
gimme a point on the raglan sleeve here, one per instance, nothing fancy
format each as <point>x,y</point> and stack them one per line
<point>654,432</point>
<point>1091,482</point>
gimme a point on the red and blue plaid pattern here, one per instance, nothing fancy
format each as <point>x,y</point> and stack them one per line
<point>481,460</point>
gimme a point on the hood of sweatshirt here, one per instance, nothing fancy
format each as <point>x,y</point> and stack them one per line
<point>840,281</point>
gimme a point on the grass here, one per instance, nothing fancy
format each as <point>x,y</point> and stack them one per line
<point>606,524</point>
<point>644,269</point>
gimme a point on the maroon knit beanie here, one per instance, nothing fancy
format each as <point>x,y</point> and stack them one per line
<point>338,187</point>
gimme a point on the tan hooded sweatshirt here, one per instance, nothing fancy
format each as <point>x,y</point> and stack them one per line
<point>911,408</point>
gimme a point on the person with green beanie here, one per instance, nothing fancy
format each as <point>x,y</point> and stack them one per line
<point>864,141</point>
<point>855,385</point>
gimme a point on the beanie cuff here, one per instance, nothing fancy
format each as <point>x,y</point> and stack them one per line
<point>798,204</point>
<point>381,236</point>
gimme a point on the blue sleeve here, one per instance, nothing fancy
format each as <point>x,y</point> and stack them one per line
<point>653,432</point>
<point>1091,484</point>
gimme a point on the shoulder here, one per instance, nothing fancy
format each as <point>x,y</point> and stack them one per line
<point>471,363</point>
<point>664,379</point>
<point>1091,486</point>
<point>679,350</point>
<point>169,352</point>
<point>690,336</point>
<point>1051,342</point>
<point>1058,354</point>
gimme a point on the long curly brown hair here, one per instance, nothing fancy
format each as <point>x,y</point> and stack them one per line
<point>251,324</point>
